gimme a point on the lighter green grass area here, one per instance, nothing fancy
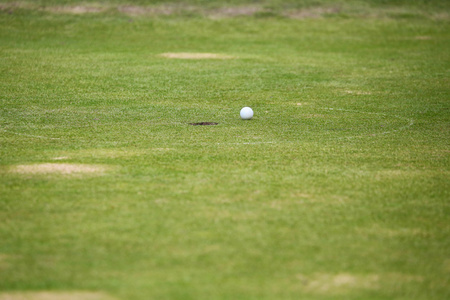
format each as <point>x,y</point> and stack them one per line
<point>338,188</point>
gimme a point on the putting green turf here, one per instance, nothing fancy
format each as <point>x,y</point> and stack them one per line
<point>338,188</point>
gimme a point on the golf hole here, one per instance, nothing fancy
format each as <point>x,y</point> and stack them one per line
<point>203,123</point>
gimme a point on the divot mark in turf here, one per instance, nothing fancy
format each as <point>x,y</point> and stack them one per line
<point>58,168</point>
<point>188,55</point>
<point>203,123</point>
<point>48,295</point>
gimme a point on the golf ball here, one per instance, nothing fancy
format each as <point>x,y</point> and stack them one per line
<point>246,113</point>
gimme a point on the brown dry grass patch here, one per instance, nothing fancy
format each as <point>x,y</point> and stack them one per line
<point>77,10</point>
<point>47,295</point>
<point>134,10</point>
<point>189,55</point>
<point>57,168</point>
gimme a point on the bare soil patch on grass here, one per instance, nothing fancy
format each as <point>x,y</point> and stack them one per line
<point>77,10</point>
<point>58,168</point>
<point>55,296</point>
<point>134,10</point>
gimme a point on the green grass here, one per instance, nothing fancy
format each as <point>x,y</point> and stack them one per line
<point>338,188</point>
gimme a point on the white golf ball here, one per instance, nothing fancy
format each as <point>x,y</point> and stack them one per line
<point>246,113</point>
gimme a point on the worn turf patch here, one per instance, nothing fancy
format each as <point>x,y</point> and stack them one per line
<point>338,283</point>
<point>77,9</point>
<point>55,168</point>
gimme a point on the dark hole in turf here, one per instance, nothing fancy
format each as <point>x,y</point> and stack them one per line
<point>203,123</point>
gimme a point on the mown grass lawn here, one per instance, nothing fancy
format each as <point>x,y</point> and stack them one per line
<point>338,188</point>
